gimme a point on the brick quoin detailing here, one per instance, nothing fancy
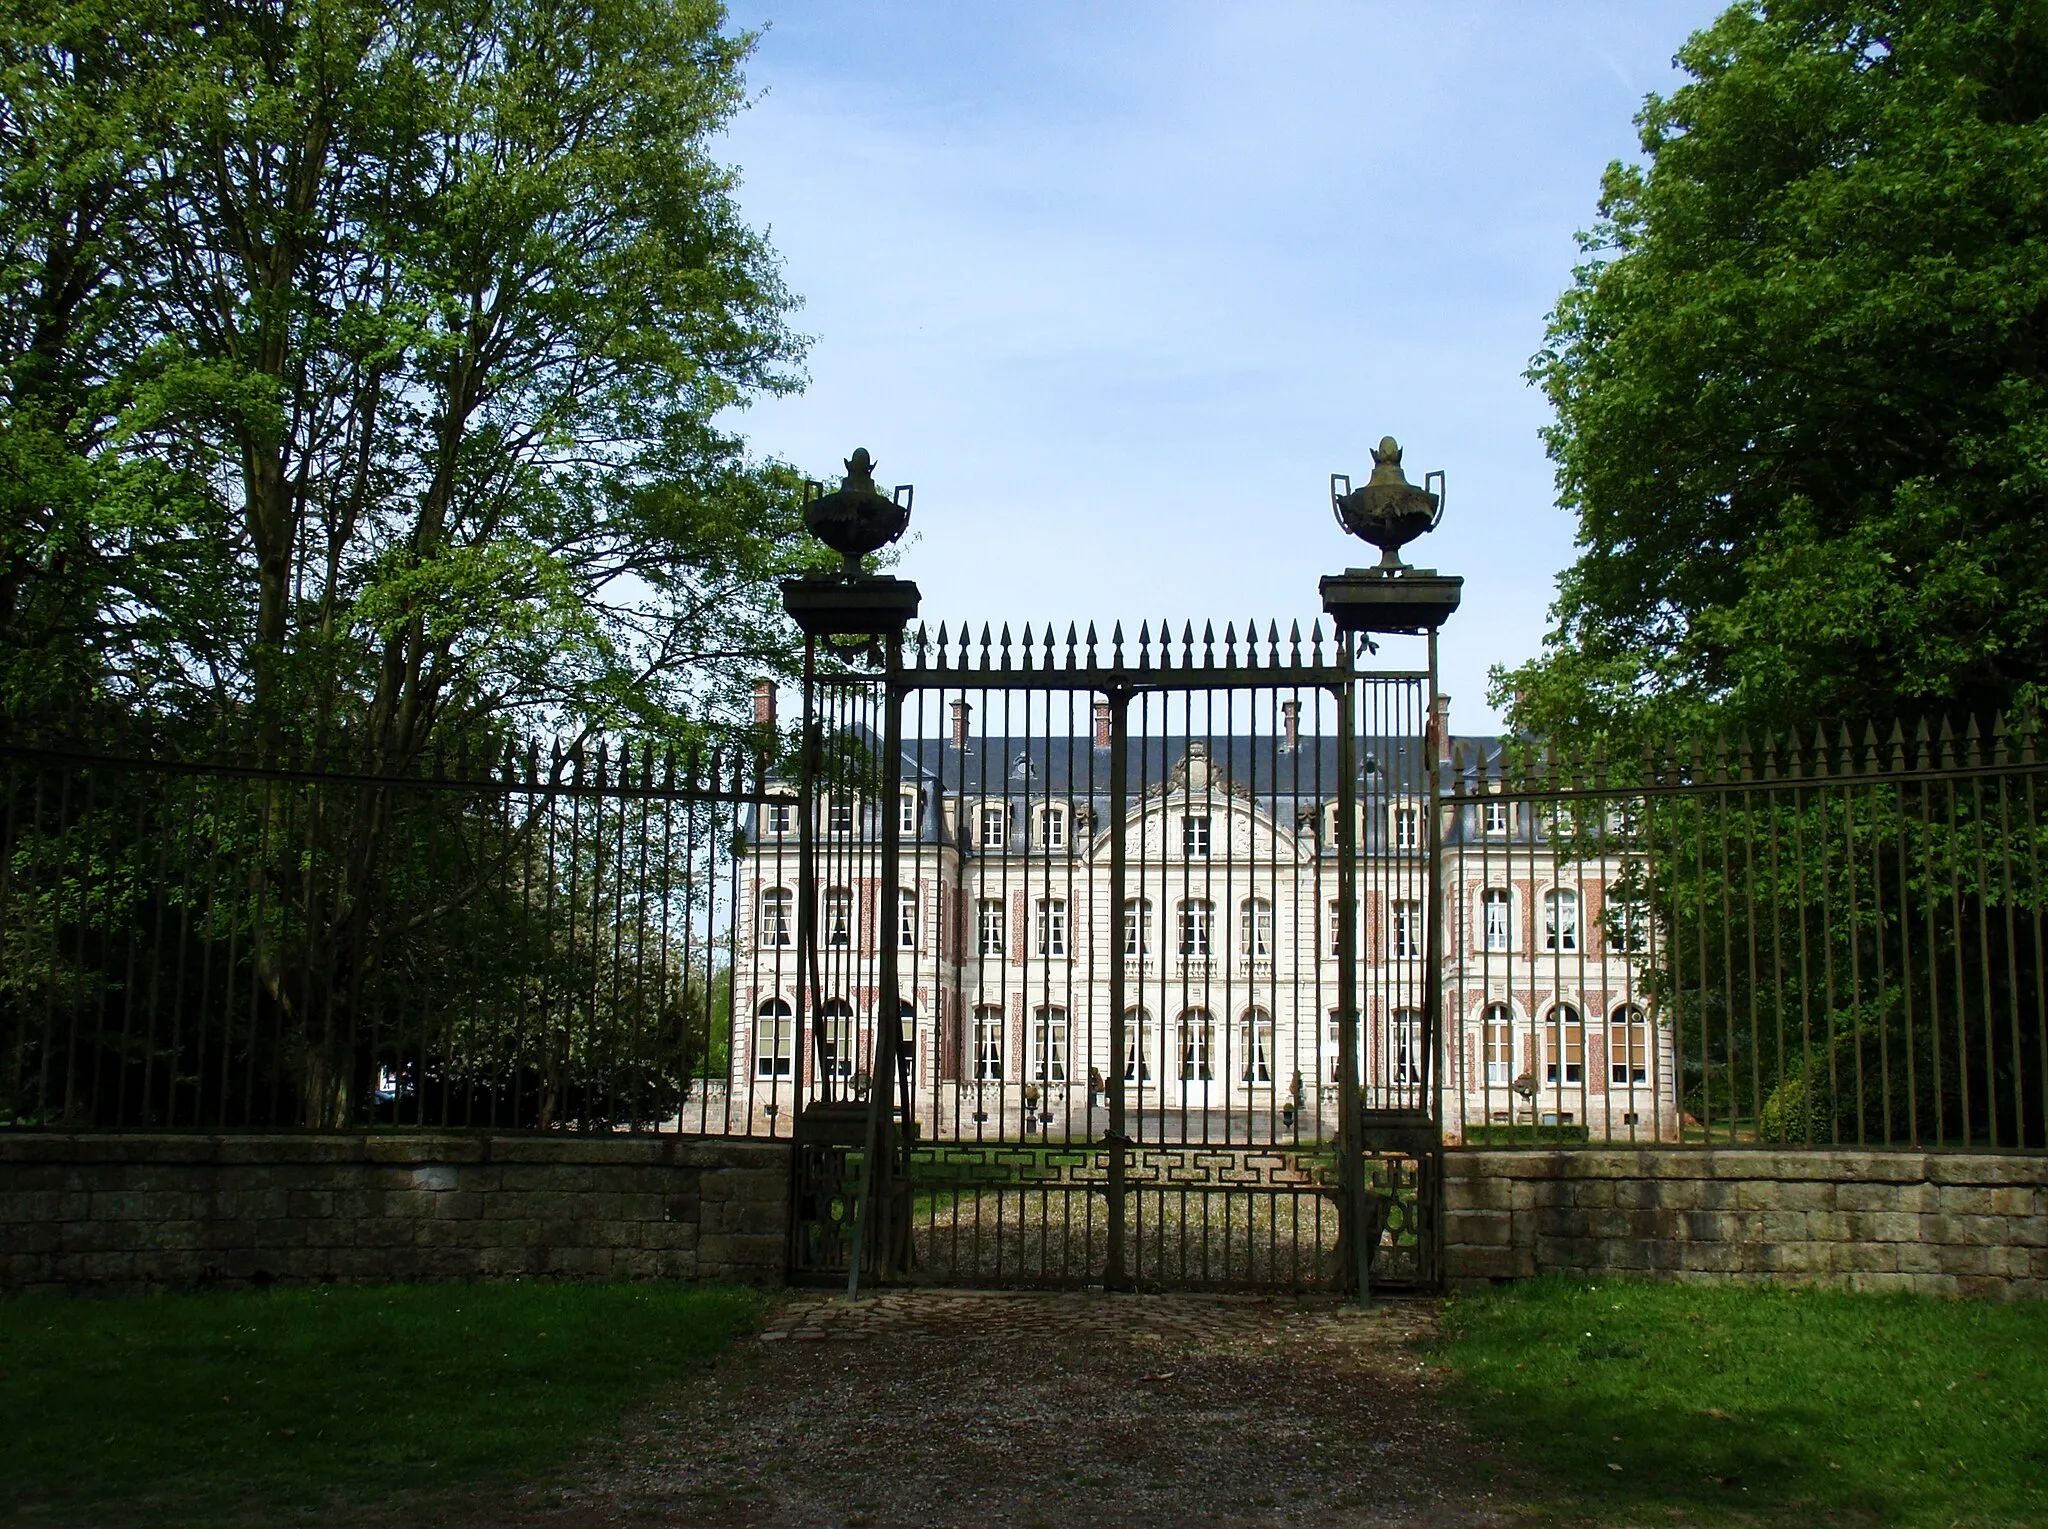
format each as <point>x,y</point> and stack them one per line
<point>137,1212</point>
<point>1939,1223</point>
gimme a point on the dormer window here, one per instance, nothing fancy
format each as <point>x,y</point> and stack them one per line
<point>1052,827</point>
<point>1407,826</point>
<point>1493,818</point>
<point>839,814</point>
<point>780,817</point>
<point>995,824</point>
<point>1194,836</point>
<point>907,811</point>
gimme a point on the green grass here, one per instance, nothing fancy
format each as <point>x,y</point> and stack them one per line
<point>262,1406</point>
<point>1741,1404</point>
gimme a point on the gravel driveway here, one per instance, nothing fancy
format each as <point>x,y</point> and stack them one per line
<point>987,1408</point>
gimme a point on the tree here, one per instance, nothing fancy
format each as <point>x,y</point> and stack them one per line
<point>1800,384</point>
<point>362,378</point>
<point>365,366</point>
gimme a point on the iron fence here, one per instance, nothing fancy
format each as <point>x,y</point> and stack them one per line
<point>542,943</point>
<point>1821,942</point>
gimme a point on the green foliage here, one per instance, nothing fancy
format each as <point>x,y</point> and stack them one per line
<point>361,368</point>
<point>1801,396</point>
<point>248,1407</point>
<point>1628,1402</point>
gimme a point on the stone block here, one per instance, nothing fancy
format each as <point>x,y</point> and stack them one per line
<point>2019,1201</point>
<point>1990,1170</point>
<point>1866,1257</point>
<point>2027,1231</point>
<point>1494,1229</point>
<point>1960,1260</point>
<point>1878,1282</point>
<point>1781,1226</point>
<point>1941,1285</point>
<point>1474,1193</point>
<point>1918,1257</point>
<point>1964,1200</point>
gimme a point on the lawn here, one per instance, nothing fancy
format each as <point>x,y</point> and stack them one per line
<point>1689,1404</point>
<point>267,1406</point>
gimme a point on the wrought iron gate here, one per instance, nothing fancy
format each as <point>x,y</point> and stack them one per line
<point>1113,961</point>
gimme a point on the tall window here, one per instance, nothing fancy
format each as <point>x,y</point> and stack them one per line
<point>1336,1047</point>
<point>1404,1047</point>
<point>1255,1048</point>
<point>838,1016</point>
<point>1494,907</point>
<point>1137,927</point>
<point>906,811</point>
<point>1137,1046</point>
<point>1197,1046</point>
<point>1628,1046</point>
<point>988,1044</point>
<point>1497,1037</point>
<point>1560,921</point>
<point>1336,929</point>
<point>781,817</point>
<point>839,814</point>
<point>1052,926</point>
<point>838,916</point>
<point>1493,817</point>
<point>1194,836</point>
<point>989,926</point>
<point>906,920</point>
<point>775,903</point>
<point>774,1040</point>
<point>1407,930</point>
<point>1407,826</point>
<point>906,1042</point>
<point>995,824</point>
<point>1627,925</point>
<point>1195,915</point>
<point>1049,1045</point>
<point>1052,827</point>
<point>1255,927</point>
<point>1564,1043</point>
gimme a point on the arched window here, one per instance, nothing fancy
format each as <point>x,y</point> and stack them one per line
<point>1560,920</point>
<point>837,1014</point>
<point>774,1037</point>
<point>1197,1046</point>
<point>775,905</point>
<point>1255,1048</point>
<point>1628,1046</point>
<point>988,1044</point>
<point>1564,1044</point>
<point>1494,910</point>
<point>1049,1044</point>
<point>1496,1031</point>
<point>1137,1046</point>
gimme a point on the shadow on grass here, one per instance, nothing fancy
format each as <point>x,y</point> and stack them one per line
<point>1743,1404</point>
<point>267,1407</point>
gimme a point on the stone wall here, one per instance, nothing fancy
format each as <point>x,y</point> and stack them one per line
<point>1938,1223</point>
<point>138,1212</point>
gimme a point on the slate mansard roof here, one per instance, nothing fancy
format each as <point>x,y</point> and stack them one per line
<point>1071,769</point>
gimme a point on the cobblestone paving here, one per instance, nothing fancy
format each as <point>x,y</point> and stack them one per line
<point>989,1408</point>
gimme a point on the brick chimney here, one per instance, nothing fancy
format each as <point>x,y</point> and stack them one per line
<point>1102,724</point>
<point>1290,725</point>
<point>961,710</point>
<point>764,703</point>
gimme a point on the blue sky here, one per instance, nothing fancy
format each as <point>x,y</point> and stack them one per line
<point>1118,286</point>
